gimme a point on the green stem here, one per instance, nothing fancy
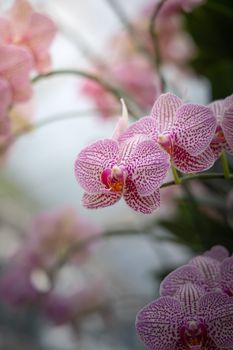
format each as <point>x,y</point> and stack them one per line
<point>133,109</point>
<point>208,176</point>
<point>225,166</point>
<point>176,176</point>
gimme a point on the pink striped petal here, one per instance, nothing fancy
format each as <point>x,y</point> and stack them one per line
<point>217,311</point>
<point>189,295</point>
<point>210,269</point>
<point>150,167</point>
<point>217,252</point>
<point>91,162</point>
<point>227,126</point>
<point>179,277</point>
<point>217,107</point>
<point>158,324</point>
<point>100,200</point>
<point>186,163</point>
<point>194,128</point>
<point>164,111</point>
<point>227,276</point>
<point>15,67</point>
<point>40,34</point>
<point>142,204</point>
<point>144,127</point>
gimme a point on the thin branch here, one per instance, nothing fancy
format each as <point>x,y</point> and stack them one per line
<point>206,176</point>
<point>154,39</point>
<point>134,110</point>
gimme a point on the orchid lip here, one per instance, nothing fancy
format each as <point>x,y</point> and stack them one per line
<point>166,143</point>
<point>114,178</point>
<point>193,334</point>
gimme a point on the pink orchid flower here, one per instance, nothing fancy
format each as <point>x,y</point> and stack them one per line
<point>15,67</point>
<point>5,100</point>
<point>184,131</point>
<point>223,138</point>
<point>31,29</point>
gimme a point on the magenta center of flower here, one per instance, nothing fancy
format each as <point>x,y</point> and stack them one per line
<point>165,141</point>
<point>193,334</point>
<point>219,135</point>
<point>113,178</point>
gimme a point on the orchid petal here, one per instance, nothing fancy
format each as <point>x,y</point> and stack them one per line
<point>186,163</point>
<point>227,275</point>
<point>217,107</point>
<point>122,123</point>
<point>179,277</point>
<point>210,269</point>
<point>143,204</point>
<point>5,31</point>
<point>41,33</point>
<point>194,128</point>
<point>100,200</point>
<point>227,126</point>
<point>217,252</point>
<point>150,166</point>
<point>164,111</point>
<point>20,14</point>
<point>188,295</point>
<point>91,162</point>
<point>144,127</point>
<point>15,67</point>
<point>158,324</point>
<point>217,311</point>
<point>5,95</point>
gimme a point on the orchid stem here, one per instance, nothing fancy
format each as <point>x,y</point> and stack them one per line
<point>175,175</point>
<point>134,110</point>
<point>225,166</point>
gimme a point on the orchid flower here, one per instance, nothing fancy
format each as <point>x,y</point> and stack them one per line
<point>15,67</point>
<point>5,101</point>
<point>28,28</point>
<point>191,320</point>
<point>223,138</point>
<point>184,131</point>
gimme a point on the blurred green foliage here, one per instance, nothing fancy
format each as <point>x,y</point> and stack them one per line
<point>211,26</point>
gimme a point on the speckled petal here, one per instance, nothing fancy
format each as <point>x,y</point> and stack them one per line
<point>164,111</point>
<point>149,166</point>
<point>210,269</point>
<point>217,311</point>
<point>194,128</point>
<point>145,127</point>
<point>142,204</point>
<point>186,163</point>
<point>91,162</point>
<point>227,276</point>
<point>179,277</point>
<point>227,126</point>
<point>217,107</point>
<point>100,200</point>
<point>158,324</point>
<point>217,252</point>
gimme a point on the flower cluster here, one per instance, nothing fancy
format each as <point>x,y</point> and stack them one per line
<point>132,66</point>
<point>25,38</point>
<point>195,308</point>
<point>135,163</point>
<point>30,277</point>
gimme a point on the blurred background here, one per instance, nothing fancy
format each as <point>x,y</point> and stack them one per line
<point>97,291</point>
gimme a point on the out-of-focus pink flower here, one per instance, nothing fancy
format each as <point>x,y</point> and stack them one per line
<point>53,234</point>
<point>15,67</point>
<point>31,29</point>
<point>136,76</point>
<point>171,7</point>
<point>105,103</point>
<point>183,130</point>
<point>5,101</point>
<point>108,170</point>
<point>223,138</point>
<point>61,309</point>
